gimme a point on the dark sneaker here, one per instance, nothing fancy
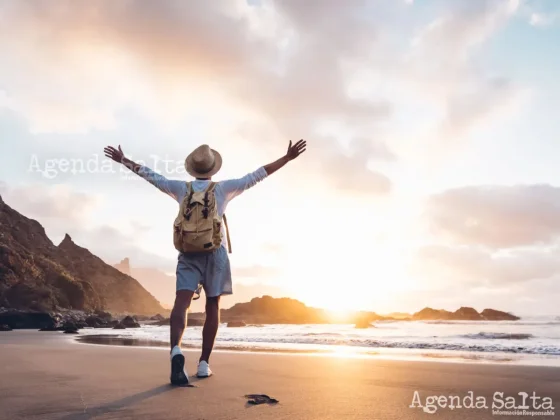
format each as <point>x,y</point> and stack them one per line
<point>178,374</point>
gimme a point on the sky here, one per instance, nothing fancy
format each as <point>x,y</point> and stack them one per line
<point>430,176</point>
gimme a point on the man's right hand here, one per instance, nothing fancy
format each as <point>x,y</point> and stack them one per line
<point>114,154</point>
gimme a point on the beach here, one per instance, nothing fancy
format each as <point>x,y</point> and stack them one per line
<point>49,375</point>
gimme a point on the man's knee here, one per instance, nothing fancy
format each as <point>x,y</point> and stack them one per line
<point>213,304</point>
<point>183,300</point>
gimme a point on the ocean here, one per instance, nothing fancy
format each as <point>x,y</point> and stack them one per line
<point>533,341</point>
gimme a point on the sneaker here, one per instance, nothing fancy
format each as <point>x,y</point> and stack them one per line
<point>204,370</point>
<point>178,374</point>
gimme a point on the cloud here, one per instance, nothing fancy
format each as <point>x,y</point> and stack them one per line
<point>284,66</point>
<point>221,46</point>
<point>56,201</point>
<point>496,216</point>
<point>472,267</point>
<point>474,103</point>
<point>443,64</point>
<point>543,19</point>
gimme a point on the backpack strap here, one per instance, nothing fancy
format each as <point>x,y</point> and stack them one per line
<point>209,190</point>
<point>188,198</point>
<point>227,233</point>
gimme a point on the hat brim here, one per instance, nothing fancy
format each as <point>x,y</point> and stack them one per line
<point>217,166</point>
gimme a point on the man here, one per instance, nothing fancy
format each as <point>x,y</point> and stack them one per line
<point>211,270</point>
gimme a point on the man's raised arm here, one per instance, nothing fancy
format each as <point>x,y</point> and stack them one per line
<point>234,187</point>
<point>170,187</point>
<point>292,153</point>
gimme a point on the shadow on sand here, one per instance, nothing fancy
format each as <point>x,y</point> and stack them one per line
<point>113,406</point>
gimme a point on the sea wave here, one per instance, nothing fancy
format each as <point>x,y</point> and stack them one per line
<point>317,343</point>
<point>497,336</point>
<point>516,323</point>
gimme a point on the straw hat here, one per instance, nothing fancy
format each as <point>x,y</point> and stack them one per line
<point>203,162</point>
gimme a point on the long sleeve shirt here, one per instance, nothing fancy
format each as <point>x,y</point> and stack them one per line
<point>225,190</point>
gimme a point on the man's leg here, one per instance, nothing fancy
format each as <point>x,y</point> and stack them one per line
<point>210,327</point>
<point>217,282</point>
<point>177,322</point>
<point>178,319</point>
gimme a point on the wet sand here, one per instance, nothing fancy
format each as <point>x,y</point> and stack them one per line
<point>48,375</point>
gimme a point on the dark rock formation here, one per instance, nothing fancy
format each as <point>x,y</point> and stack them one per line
<point>157,317</point>
<point>105,316</point>
<point>17,319</point>
<point>162,323</point>
<point>269,310</point>
<point>195,322</point>
<point>5,328</point>
<point>466,314</point>
<point>463,314</point>
<point>119,326</point>
<point>494,315</point>
<point>94,321</point>
<point>429,314</point>
<point>117,291</point>
<point>192,321</point>
<point>130,322</point>
<point>70,328</point>
<point>37,275</point>
<point>236,324</point>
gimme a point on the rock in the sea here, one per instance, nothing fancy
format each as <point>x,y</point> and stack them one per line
<point>157,317</point>
<point>95,321</point>
<point>70,328</point>
<point>191,322</point>
<point>164,322</point>
<point>236,324</point>
<point>494,315</point>
<point>429,314</point>
<point>363,323</point>
<point>5,328</point>
<point>463,314</point>
<point>195,322</point>
<point>130,322</point>
<point>466,314</point>
<point>16,319</point>
<point>119,326</point>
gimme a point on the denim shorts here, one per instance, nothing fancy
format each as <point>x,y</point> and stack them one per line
<point>205,270</point>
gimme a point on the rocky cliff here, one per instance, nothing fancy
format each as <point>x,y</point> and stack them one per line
<point>36,274</point>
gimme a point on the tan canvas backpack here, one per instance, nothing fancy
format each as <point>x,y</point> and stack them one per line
<point>198,227</point>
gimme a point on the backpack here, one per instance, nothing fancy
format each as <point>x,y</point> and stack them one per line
<point>198,227</point>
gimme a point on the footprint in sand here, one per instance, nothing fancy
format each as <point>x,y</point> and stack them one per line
<point>256,399</point>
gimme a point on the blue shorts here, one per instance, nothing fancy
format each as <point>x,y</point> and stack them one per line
<point>206,270</point>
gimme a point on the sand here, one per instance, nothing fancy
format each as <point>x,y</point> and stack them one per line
<point>47,375</point>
